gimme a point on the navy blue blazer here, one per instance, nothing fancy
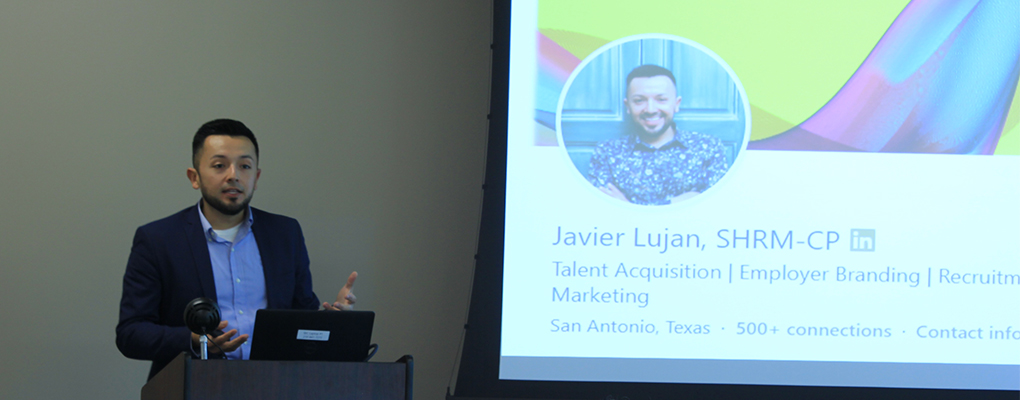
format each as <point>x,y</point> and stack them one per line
<point>169,266</point>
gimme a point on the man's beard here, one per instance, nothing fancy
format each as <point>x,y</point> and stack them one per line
<point>638,128</point>
<point>224,208</point>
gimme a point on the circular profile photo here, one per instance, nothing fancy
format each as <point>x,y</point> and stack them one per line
<point>653,119</point>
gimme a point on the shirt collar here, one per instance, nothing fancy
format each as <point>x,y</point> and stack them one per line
<point>207,227</point>
<point>638,144</point>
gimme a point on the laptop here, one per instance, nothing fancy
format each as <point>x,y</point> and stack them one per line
<point>305,335</point>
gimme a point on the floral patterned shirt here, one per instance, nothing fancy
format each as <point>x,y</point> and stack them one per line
<point>652,176</point>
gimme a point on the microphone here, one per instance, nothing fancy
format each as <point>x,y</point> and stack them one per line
<point>202,316</point>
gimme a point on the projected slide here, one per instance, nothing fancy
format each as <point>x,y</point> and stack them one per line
<point>801,193</point>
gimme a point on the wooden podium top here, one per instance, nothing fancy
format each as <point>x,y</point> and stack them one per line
<point>185,378</point>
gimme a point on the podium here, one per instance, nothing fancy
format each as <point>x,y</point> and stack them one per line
<point>188,379</point>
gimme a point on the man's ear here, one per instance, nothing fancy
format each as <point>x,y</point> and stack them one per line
<point>677,108</point>
<point>626,106</point>
<point>258,173</point>
<point>193,177</point>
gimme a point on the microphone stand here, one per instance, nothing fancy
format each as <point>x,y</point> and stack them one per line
<point>204,341</point>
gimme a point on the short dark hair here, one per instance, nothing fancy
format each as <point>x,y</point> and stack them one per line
<point>648,71</point>
<point>220,126</point>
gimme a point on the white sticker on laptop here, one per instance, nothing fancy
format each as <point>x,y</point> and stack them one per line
<point>304,334</point>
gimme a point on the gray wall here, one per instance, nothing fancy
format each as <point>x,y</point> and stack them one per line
<point>371,118</point>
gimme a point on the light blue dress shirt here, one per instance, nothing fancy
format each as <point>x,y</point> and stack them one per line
<point>240,282</point>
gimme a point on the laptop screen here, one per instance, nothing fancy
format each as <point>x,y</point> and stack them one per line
<point>305,335</point>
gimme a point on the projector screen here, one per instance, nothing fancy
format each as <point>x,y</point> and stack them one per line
<point>804,193</point>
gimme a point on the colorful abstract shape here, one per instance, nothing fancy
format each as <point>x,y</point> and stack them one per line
<point>941,80</point>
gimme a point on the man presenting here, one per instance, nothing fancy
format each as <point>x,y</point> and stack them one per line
<point>656,163</point>
<point>244,258</point>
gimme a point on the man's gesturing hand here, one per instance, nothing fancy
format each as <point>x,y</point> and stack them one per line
<point>345,299</point>
<point>223,341</point>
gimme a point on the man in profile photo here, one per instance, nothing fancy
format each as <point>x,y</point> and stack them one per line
<point>655,163</point>
<point>220,248</point>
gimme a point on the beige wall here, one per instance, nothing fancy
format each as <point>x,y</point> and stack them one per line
<point>371,120</point>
